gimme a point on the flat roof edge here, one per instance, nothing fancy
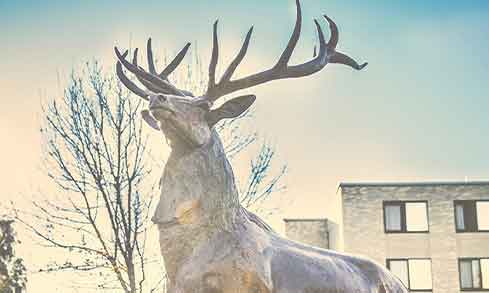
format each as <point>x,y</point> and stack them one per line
<point>415,183</point>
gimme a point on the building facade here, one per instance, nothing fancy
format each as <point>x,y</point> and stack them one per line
<point>313,232</point>
<point>433,236</point>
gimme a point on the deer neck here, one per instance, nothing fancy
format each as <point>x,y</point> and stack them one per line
<point>198,198</point>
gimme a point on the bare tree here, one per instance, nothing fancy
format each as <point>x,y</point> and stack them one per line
<point>95,153</point>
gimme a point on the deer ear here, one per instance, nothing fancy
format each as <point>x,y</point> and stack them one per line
<point>231,109</point>
<point>150,120</point>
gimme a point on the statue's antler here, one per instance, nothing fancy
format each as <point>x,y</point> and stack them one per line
<point>327,54</point>
<point>154,82</point>
<point>159,83</point>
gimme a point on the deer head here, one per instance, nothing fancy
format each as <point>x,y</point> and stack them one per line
<point>187,119</point>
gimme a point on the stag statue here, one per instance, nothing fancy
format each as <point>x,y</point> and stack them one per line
<point>209,242</point>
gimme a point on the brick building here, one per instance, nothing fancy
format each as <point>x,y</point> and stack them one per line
<point>433,235</point>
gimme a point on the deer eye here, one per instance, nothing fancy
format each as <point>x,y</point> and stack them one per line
<point>204,106</point>
<point>161,97</point>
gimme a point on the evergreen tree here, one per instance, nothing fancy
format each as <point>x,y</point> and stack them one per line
<point>12,269</point>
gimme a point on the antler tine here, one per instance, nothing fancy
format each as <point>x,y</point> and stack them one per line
<point>315,64</point>
<point>150,86</point>
<point>341,58</point>
<point>214,58</point>
<point>338,57</point>
<point>175,62</point>
<point>127,82</point>
<point>333,40</point>
<point>285,57</point>
<point>149,55</point>
<point>140,73</point>
<point>237,60</point>
<point>170,68</point>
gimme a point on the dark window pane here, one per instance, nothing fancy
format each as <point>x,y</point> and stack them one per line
<point>392,217</point>
<point>466,274</point>
<point>459,217</point>
<point>470,216</point>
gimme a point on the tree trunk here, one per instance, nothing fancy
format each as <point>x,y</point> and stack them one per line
<point>132,277</point>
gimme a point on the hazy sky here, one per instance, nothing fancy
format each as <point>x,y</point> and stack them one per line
<point>419,111</point>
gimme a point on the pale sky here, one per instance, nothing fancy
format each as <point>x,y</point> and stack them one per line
<point>417,112</point>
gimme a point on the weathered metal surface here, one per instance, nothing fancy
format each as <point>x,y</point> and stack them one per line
<point>211,244</point>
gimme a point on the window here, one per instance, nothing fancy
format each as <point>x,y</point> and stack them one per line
<point>405,216</point>
<point>414,273</point>
<point>471,215</point>
<point>474,273</point>
<point>393,217</point>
